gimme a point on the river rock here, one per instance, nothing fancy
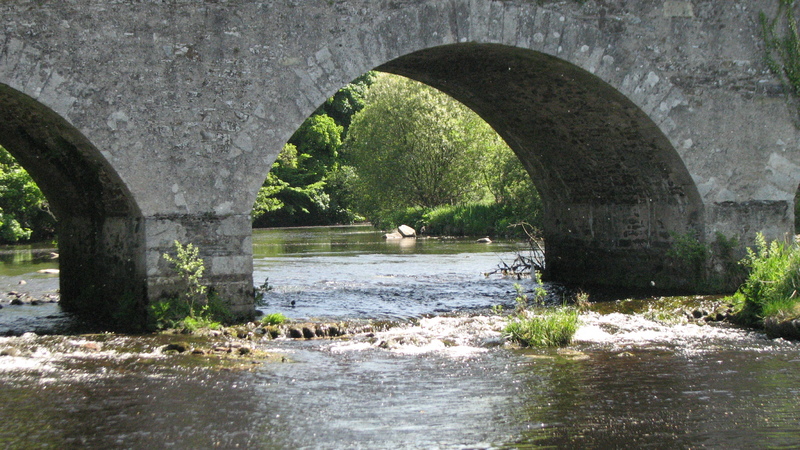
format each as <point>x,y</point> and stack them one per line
<point>10,351</point>
<point>294,333</point>
<point>485,240</point>
<point>406,231</point>
<point>91,346</point>
<point>393,235</point>
<point>787,329</point>
<point>493,342</point>
<point>179,347</point>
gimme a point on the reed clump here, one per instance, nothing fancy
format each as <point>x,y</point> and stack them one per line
<point>537,325</point>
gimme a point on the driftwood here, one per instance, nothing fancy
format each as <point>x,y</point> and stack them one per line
<point>524,264</point>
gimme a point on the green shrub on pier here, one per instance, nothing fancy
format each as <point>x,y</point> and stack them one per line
<point>196,306</point>
<point>772,289</point>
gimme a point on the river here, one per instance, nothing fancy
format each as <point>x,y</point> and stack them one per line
<point>438,379</point>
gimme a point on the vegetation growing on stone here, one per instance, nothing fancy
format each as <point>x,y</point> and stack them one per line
<point>195,306</point>
<point>782,44</point>
<point>535,325</point>
<point>274,319</point>
<point>772,289</point>
<point>706,267</point>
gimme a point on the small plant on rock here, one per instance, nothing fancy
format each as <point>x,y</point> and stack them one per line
<point>544,328</point>
<point>274,319</point>
<point>196,306</point>
<point>260,293</point>
<point>540,326</point>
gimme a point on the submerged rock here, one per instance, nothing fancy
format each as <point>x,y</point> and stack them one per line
<point>787,329</point>
<point>10,351</point>
<point>179,347</point>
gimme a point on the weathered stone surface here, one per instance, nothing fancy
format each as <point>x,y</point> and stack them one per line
<point>147,122</point>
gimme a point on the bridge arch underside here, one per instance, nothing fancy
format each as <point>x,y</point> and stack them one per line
<point>99,226</point>
<point>615,190</point>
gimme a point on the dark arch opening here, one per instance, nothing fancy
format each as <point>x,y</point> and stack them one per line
<point>99,230</point>
<point>615,191</point>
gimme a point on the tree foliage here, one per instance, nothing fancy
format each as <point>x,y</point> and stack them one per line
<point>413,146</point>
<point>385,145</point>
<point>24,212</point>
<point>307,184</point>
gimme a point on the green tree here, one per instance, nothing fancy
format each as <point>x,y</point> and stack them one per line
<point>24,211</point>
<point>413,146</point>
<point>307,184</point>
<point>349,100</point>
<point>293,193</point>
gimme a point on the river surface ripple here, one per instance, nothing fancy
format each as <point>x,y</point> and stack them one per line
<point>440,379</point>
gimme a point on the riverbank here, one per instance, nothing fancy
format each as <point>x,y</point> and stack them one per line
<point>473,219</point>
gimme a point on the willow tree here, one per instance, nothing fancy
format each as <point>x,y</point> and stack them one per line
<point>412,145</point>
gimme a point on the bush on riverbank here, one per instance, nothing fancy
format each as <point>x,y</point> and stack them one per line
<point>24,212</point>
<point>474,219</point>
<point>771,289</point>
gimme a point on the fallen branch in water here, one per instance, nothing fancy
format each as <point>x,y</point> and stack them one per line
<point>523,265</point>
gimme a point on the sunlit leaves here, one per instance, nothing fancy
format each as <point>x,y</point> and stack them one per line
<point>23,208</point>
<point>412,145</point>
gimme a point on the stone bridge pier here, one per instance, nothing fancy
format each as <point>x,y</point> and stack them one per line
<point>147,122</point>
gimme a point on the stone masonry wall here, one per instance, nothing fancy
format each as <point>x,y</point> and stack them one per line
<point>188,102</point>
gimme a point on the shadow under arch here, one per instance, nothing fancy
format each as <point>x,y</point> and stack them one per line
<point>98,223</point>
<point>614,188</point>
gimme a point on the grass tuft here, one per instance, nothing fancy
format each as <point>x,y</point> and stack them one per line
<point>273,319</point>
<point>544,328</point>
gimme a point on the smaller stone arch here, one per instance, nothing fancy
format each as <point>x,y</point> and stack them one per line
<point>99,227</point>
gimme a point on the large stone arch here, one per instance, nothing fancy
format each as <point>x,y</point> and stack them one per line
<point>587,119</point>
<point>615,190</point>
<point>100,234</point>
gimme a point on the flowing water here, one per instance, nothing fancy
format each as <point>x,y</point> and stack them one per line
<point>441,378</point>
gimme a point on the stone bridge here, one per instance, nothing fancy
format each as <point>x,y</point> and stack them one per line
<point>150,121</point>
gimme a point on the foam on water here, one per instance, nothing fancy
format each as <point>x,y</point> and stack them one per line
<point>460,337</point>
<point>456,337</point>
<point>624,331</point>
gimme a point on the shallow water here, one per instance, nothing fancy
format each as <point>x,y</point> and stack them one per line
<point>441,379</point>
